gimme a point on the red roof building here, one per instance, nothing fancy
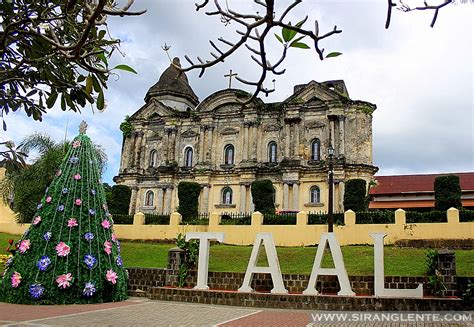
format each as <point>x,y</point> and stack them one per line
<point>415,191</point>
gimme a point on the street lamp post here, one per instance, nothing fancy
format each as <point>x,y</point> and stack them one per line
<point>331,192</point>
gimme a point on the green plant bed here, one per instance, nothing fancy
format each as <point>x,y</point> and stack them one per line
<point>196,222</point>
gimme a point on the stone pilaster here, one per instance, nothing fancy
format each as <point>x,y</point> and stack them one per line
<point>167,200</point>
<point>287,140</point>
<point>342,120</point>
<point>245,142</point>
<point>209,143</point>
<point>205,198</point>
<point>296,196</point>
<point>133,201</point>
<point>243,197</point>
<point>286,195</point>
<point>159,201</point>
<point>201,154</point>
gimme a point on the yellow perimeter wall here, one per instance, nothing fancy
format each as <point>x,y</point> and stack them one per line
<point>284,235</point>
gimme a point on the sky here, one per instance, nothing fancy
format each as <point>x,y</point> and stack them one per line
<point>420,78</point>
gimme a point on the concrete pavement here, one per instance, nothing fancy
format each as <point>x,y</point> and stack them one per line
<point>144,312</point>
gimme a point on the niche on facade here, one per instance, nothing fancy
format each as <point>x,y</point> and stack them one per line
<point>229,131</point>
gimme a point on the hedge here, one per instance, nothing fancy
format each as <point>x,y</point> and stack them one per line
<point>188,194</point>
<point>157,219</point>
<point>375,217</point>
<point>355,197</point>
<point>263,196</point>
<point>122,219</point>
<point>466,216</point>
<point>283,219</point>
<point>236,219</point>
<point>321,218</point>
<point>447,191</point>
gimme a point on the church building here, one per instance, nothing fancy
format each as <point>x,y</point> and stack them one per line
<point>225,146</point>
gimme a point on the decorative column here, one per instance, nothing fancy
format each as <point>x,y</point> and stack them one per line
<point>245,142</point>
<point>252,206</point>
<point>138,142</point>
<point>201,157</point>
<point>287,140</point>
<point>254,142</point>
<point>167,204</point>
<point>295,196</point>
<point>285,196</point>
<point>166,147</point>
<point>133,201</point>
<point>342,120</point>
<point>209,143</point>
<point>296,134</point>
<point>205,198</point>
<point>159,201</point>
<point>243,197</point>
<point>172,156</point>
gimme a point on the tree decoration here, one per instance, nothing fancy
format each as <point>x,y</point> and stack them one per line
<point>68,256</point>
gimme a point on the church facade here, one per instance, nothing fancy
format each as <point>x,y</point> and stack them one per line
<point>224,146</point>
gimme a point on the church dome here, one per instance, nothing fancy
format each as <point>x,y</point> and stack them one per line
<point>173,83</point>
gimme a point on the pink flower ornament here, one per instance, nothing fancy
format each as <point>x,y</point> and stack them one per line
<point>77,177</point>
<point>76,144</point>
<point>49,199</point>
<point>111,276</point>
<point>16,279</point>
<point>62,249</point>
<point>108,247</point>
<point>72,222</point>
<point>24,246</point>
<point>36,221</point>
<point>105,223</point>
<point>78,202</point>
<point>64,281</point>
<point>114,238</point>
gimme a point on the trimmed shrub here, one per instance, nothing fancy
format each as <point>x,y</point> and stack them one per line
<point>283,219</point>
<point>355,197</point>
<point>447,192</point>
<point>375,217</point>
<point>426,217</point>
<point>120,199</point>
<point>122,219</point>
<point>156,219</point>
<point>263,196</point>
<point>466,215</point>
<point>188,194</point>
<point>321,218</point>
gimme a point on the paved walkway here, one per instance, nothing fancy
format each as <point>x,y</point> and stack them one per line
<point>143,312</point>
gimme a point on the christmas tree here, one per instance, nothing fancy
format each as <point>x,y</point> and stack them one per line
<point>70,253</point>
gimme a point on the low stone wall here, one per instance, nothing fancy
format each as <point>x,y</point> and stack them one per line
<point>144,279</point>
<point>305,302</point>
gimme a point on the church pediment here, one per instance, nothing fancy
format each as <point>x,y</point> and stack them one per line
<point>272,128</point>
<point>315,101</point>
<point>153,110</point>
<point>314,124</point>
<point>189,134</point>
<point>229,131</point>
<point>314,93</point>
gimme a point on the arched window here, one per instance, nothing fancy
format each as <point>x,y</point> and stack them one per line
<point>229,154</point>
<point>315,150</point>
<point>226,195</point>
<point>153,158</point>
<point>315,194</point>
<point>188,157</point>
<point>149,198</point>
<point>272,151</point>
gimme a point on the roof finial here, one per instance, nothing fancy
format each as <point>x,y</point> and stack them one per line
<point>82,127</point>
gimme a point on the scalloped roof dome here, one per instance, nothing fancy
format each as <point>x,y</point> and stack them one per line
<point>173,82</point>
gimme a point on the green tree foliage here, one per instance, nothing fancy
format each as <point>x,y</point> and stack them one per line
<point>355,197</point>
<point>28,184</point>
<point>188,195</point>
<point>70,253</point>
<point>447,192</point>
<point>263,195</point>
<point>55,51</point>
<point>120,199</point>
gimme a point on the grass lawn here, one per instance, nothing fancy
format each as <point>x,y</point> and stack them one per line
<point>358,259</point>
